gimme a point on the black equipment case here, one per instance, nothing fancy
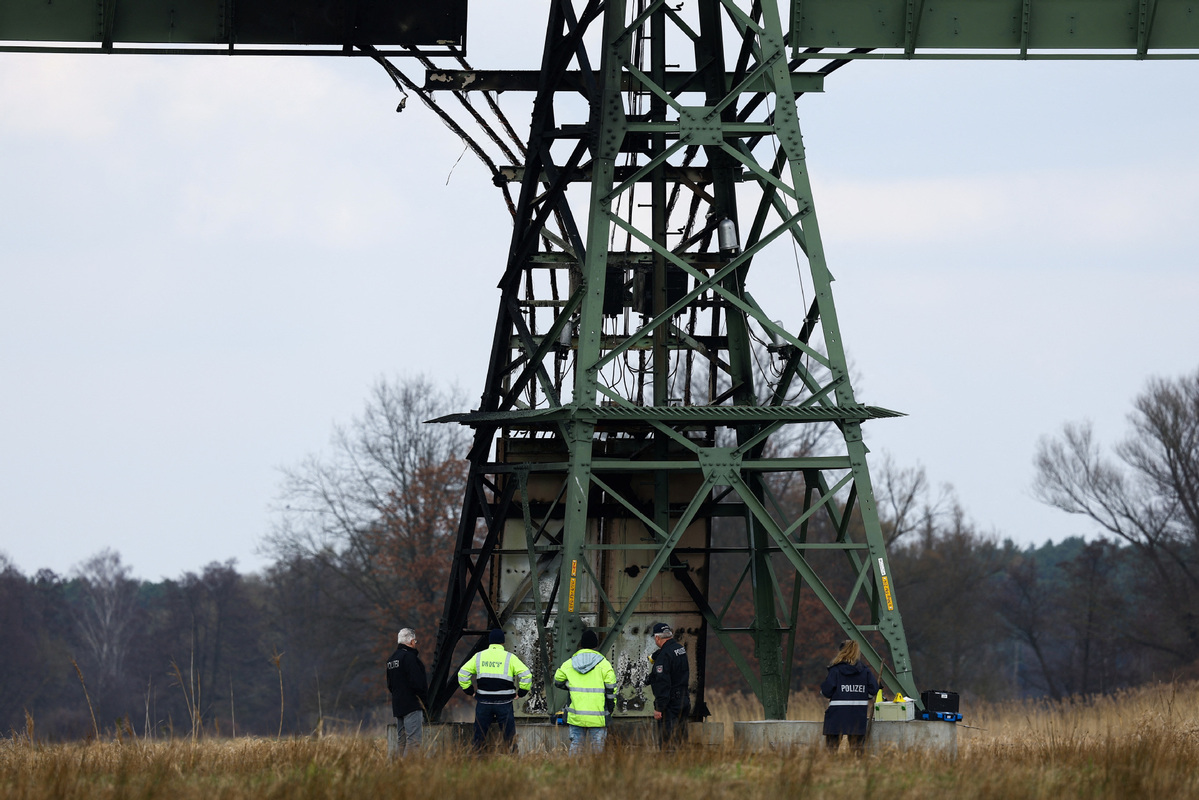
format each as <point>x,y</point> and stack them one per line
<point>938,701</point>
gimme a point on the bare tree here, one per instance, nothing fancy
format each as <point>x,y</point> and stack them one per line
<point>906,503</point>
<point>380,509</point>
<point>1148,495</point>
<point>105,613</point>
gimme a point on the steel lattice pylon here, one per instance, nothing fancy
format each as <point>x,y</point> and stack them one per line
<point>625,345</point>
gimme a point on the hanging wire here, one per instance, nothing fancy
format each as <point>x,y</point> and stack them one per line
<point>692,318</point>
<point>499,114</point>
<point>406,85</point>
<point>403,82</point>
<point>464,101</point>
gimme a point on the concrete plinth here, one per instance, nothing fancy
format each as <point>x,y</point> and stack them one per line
<point>930,736</point>
<point>763,736</point>
<point>541,737</point>
<point>441,738</point>
<point>706,734</point>
<point>634,732</point>
<point>448,737</point>
<point>766,735</point>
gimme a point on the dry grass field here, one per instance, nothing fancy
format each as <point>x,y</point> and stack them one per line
<point>1142,743</point>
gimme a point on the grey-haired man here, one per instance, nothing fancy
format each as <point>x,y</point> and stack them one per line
<point>670,677</point>
<point>407,683</point>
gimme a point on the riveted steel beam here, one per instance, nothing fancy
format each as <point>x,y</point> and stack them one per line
<point>512,80</point>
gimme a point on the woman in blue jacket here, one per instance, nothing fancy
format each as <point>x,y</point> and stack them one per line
<point>849,686</point>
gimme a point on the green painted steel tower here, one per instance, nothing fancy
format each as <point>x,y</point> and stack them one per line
<point>666,319</point>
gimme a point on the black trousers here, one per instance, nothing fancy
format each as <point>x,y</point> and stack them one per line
<point>498,713</point>
<point>672,728</point>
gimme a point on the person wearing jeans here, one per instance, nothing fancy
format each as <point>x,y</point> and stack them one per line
<point>497,678</point>
<point>407,682</point>
<point>591,681</point>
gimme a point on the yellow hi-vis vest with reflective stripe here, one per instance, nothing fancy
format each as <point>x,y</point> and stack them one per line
<point>497,675</point>
<point>588,690</point>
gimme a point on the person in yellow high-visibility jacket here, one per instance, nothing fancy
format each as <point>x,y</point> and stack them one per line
<point>591,681</point>
<point>499,677</point>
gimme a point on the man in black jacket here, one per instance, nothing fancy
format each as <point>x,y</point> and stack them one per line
<point>669,677</point>
<point>407,683</point>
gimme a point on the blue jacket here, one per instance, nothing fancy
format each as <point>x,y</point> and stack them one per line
<point>849,688</point>
<point>670,678</point>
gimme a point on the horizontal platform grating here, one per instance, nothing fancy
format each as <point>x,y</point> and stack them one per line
<point>719,415</point>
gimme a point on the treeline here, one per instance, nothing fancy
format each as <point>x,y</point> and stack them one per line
<point>216,651</point>
<point>226,652</point>
<point>363,541</point>
<point>997,621</point>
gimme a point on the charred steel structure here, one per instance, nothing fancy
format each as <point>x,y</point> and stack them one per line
<point>639,374</point>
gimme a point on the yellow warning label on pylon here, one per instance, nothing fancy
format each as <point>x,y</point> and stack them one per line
<point>570,600</point>
<point>886,593</point>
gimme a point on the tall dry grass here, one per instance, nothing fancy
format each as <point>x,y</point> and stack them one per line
<point>735,707</point>
<point>1140,743</point>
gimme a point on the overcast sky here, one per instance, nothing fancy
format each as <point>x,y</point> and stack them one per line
<point>205,263</point>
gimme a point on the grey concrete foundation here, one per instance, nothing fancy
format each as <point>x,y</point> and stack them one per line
<point>764,736</point>
<point>706,734</point>
<point>930,736</point>
<point>393,740</point>
<point>768,735</point>
<point>448,737</point>
<point>541,737</point>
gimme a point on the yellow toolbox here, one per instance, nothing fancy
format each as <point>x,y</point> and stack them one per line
<point>895,712</point>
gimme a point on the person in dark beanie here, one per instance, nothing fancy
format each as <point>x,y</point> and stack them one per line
<point>407,683</point>
<point>670,678</point>
<point>591,682</point>
<point>499,678</point>
<point>849,686</point>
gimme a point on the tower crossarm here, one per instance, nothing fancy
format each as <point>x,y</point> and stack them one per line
<point>244,27</point>
<point>998,29</point>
